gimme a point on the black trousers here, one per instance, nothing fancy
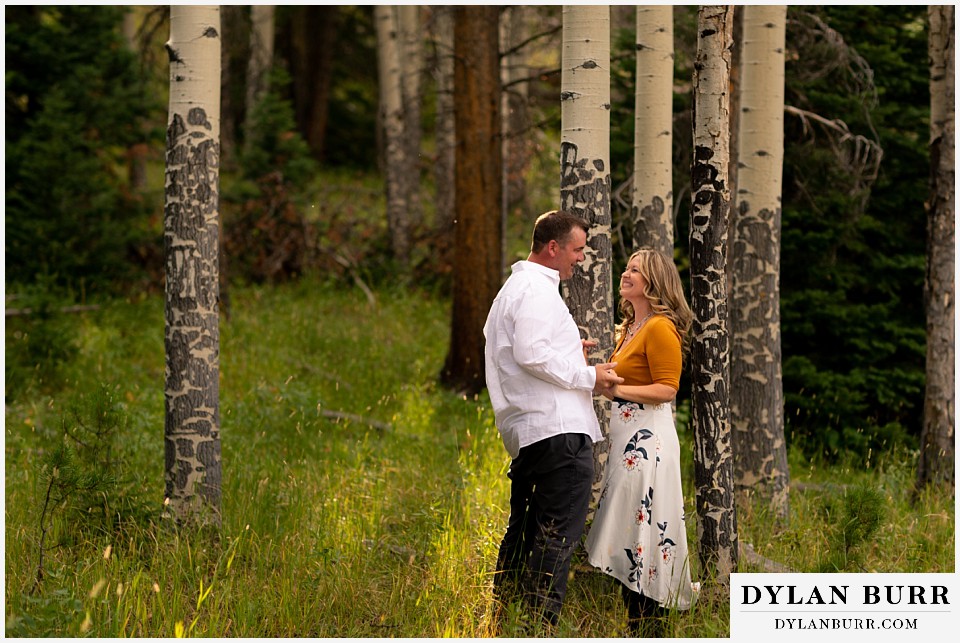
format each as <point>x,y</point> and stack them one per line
<point>549,497</point>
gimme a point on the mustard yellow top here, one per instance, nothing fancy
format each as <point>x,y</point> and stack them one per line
<point>652,356</point>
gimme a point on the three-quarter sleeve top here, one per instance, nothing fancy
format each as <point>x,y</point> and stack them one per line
<point>652,356</point>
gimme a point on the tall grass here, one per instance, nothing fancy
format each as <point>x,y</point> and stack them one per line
<point>360,500</point>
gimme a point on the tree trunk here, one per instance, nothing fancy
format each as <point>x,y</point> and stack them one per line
<point>412,69</point>
<point>709,354</point>
<point>396,161</point>
<point>476,273</point>
<point>585,184</point>
<point>445,143</point>
<point>652,210</point>
<point>937,451</point>
<point>756,394</point>
<point>261,56</point>
<point>517,150</point>
<point>313,35</point>
<point>191,229</point>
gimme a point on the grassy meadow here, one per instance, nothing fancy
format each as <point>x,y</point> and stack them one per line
<point>359,498</point>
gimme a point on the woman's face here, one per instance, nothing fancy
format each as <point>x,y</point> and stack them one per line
<point>632,283</point>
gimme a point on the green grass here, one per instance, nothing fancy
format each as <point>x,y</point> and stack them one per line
<point>386,526</point>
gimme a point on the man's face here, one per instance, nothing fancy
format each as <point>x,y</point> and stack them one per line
<point>570,253</point>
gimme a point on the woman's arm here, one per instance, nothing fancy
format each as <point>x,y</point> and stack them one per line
<point>645,394</point>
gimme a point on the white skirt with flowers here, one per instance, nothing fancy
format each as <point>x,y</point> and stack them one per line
<point>639,533</point>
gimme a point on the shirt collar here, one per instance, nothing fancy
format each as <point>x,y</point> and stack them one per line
<point>549,273</point>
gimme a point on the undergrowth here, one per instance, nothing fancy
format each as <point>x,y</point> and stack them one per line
<point>360,499</point>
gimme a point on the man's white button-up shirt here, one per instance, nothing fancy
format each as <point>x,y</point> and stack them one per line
<point>538,379</point>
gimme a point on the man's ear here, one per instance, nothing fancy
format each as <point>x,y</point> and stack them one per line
<point>552,247</point>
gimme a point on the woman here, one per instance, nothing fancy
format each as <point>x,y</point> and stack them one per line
<point>638,534</point>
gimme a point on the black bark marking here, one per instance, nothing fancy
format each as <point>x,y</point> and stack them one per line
<point>590,64</point>
<point>197,116</point>
<point>175,130</point>
<point>210,32</point>
<point>568,95</point>
<point>173,54</point>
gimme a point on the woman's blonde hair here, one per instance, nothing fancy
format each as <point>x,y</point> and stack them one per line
<point>663,290</point>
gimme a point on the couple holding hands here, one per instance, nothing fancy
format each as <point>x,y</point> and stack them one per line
<point>542,388</point>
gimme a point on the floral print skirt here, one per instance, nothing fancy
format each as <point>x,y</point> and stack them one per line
<point>639,534</point>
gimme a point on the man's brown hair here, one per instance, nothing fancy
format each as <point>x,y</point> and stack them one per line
<point>555,225</point>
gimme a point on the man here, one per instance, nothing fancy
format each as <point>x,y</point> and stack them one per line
<point>541,389</point>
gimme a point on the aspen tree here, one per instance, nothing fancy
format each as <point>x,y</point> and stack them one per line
<point>937,450</point>
<point>756,394</point>
<point>191,229</point>
<point>652,210</point>
<point>389,56</point>
<point>585,183</point>
<point>709,352</point>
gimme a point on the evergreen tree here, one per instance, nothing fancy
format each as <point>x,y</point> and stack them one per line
<point>853,231</point>
<point>73,101</point>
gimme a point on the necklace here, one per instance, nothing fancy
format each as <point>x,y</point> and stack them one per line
<point>633,328</point>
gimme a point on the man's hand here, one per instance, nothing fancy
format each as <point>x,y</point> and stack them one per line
<point>607,378</point>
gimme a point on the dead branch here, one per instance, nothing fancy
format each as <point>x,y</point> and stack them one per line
<point>18,312</point>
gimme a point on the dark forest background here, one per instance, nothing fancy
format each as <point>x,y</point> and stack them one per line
<point>301,187</point>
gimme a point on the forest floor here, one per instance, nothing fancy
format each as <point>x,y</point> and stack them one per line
<point>360,499</point>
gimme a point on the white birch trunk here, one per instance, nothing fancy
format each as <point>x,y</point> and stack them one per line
<point>709,353</point>
<point>756,404</point>
<point>191,231</point>
<point>937,450</point>
<point>585,183</point>
<point>652,210</point>
<point>389,52</point>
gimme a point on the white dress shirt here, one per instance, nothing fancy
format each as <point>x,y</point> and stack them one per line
<point>538,379</point>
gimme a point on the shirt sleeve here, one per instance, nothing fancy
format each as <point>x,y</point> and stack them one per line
<point>536,329</point>
<point>663,354</point>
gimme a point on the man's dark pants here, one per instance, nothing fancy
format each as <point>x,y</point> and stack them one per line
<point>549,497</point>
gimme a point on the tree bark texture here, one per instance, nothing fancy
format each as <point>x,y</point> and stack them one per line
<point>756,394</point>
<point>397,164</point>
<point>191,229</point>
<point>585,185</point>
<point>652,210</point>
<point>476,273</point>
<point>937,440</point>
<point>709,353</point>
